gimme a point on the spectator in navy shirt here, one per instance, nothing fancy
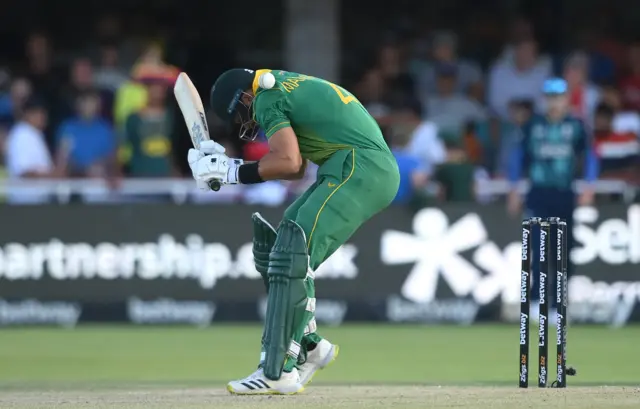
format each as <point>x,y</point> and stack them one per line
<point>86,142</point>
<point>550,151</point>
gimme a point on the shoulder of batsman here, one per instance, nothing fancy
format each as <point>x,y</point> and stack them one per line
<point>269,95</point>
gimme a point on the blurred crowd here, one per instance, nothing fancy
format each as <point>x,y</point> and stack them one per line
<point>454,122</point>
<point>108,112</point>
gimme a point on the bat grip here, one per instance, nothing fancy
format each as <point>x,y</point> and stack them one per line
<point>214,185</point>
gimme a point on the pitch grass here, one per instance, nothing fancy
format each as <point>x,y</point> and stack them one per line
<point>379,366</point>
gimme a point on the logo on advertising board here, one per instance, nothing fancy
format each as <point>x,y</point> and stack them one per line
<point>168,311</point>
<point>486,272</point>
<point>457,311</point>
<point>35,312</point>
<point>434,250</point>
<point>450,264</point>
<point>167,258</point>
<point>614,241</point>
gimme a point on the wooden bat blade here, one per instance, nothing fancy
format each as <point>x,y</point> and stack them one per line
<point>192,109</point>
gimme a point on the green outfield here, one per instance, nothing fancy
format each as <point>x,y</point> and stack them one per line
<point>155,366</point>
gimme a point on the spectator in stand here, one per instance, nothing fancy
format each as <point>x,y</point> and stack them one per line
<point>109,75</point>
<point>518,30</point>
<point>618,151</point>
<point>5,98</point>
<point>371,93</point>
<point>456,176</point>
<point>39,67</point>
<point>19,92</point>
<point>450,110</point>
<point>605,41</point>
<point>521,29</point>
<point>148,132</point>
<point>583,95</point>
<point>413,175</point>
<point>6,120</point>
<point>602,67</point>
<point>42,74</point>
<point>630,84</point>
<point>471,144</point>
<point>132,95</point>
<point>81,82</point>
<point>85,143</point>
<point>499,137</point>
<point>390,101</point>
<point>425,144</point>
<point>390,63</point>
<point>27,155</point>
<point>624,120</point>
<point>444,51</point>
<point>3,169</point>
<point>518,78</point>
<point>396,87</point>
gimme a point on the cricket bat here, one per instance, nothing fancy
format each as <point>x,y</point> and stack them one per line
<point>192,109</point>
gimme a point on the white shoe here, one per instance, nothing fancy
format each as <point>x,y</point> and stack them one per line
<point>323,354</point>
<point>258,384</point>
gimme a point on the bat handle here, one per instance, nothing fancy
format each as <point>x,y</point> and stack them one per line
<point>214,185</point>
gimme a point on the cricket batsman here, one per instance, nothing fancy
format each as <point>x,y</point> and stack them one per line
<point>305,119</point>
<point>552,149</point>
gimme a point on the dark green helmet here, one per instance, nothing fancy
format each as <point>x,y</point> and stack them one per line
<point>226,100</point>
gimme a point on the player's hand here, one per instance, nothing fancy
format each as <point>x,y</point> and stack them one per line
<point>218,166</point>
<point>514,203</point>
<point>210,147</point>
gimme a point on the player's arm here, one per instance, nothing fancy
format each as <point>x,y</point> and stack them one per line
<point>302,171</point>
<point>284,160</point>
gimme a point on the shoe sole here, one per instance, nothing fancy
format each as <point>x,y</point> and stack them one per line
<point>267,392</point>
<point>334,356</point>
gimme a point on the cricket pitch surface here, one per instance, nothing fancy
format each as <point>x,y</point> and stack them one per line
<point>324,397</point>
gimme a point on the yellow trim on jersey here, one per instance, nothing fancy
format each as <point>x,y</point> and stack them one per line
<point>315,223</point>
<point>255,86</point>
<point>268,133</point>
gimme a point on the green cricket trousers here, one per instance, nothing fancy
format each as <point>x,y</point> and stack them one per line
<point>351,187</point>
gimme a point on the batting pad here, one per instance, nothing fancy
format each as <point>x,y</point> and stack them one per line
<point>287,303</point>
<point>264,237</point>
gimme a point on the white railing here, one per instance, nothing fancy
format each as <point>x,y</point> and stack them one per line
<point>182,189</point>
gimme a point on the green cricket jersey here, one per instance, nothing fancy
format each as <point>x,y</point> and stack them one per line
<point>325,117</point>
